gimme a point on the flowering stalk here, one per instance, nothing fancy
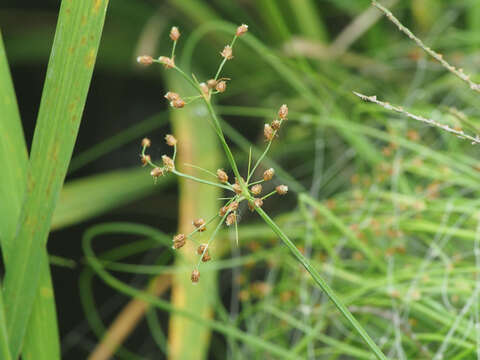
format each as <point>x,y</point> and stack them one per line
<point>241,187</point>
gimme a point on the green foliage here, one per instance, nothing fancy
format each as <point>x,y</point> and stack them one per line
<point>383,210</point>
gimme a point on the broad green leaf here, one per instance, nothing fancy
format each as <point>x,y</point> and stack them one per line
<point>69,73</point>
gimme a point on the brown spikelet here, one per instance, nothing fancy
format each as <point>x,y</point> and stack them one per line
<point>276,124</point>
<point>145,60</point>
<point>282,189</point>
<point>268,132</point>
<point>167,62</point>
<point>178,241</point>
<point>231,219</point>
<point>177,103</point>
<point>172,96</point>
<point>283,112</point>
<point>222,176</point>
<point>195,276</point>
<point>146,142</point>
<point>200,224</point>
<point>145,159</point>
<point>156,172</point>
<point>174,33</point>
<point>170,140</point>
<point>227,52</point>
<point>256,189</point>
<point>268,174</point>
<point>168,163</point>
<point>242,29</point>
<point>221,86</point>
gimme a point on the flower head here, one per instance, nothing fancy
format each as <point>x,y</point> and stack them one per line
<point>195,276</point>
<point>145,60</point>
<point>222,176</point>
<point>169,63</point>
<point>145,159</point>
<point>178,241</point>
<point>227,52</point>
<point>256,189</point>
<point>221,86</point>
<point>200,224</point>
<point>268,132</point>
<point>170,140</point>
<point>242,29</point>
<point>146,142</point>
<point>174,33</point>
<point>268,174</point>
<point>168,163</point>
<point>282,189</point>
<point>171,96</point>
<point>283,112</point>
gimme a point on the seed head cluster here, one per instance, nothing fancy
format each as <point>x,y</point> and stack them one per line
<point>242,189</point>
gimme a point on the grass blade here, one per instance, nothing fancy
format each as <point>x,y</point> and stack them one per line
<point>68,77</point>
<point>82,199</point>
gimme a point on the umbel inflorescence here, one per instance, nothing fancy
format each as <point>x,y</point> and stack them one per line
<point>239,188</point>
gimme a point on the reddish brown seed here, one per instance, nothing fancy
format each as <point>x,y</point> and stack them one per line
<point>251,206</point>
<point>170,140</point>
<point>167,62</point>
<point>206,256</point>
<point>268,132</point>
<point>268,174</point>
<point>256,189</point>
<point>227,52</point>
<point>174,33</point>
<point>177,103</point>
<point>204,88</point>
<point>145,159</point>
<point>145,60</point>
<point>283,112</point>
<point>168,163</point>
<point>178,241</point>
<point>201,248</point>
<point>221,86</point>
<point>172,96</point>
<point>231,219</point>
<point>200,224</point>
<point>223,210</point>
<point>233,206</point>
<point>282,189</point>
<point>156,172</point>
<point>146,142</point>
<point>237,188</point>
<point>258,202</point>
<point>276,124</point>
<point>195,276</point>
<point>242,29</point>
<point>222,176</point>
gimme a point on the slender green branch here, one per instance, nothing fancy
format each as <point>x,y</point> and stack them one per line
<point>201,180</point>
<point>323,285</point>
<point>224,59</point>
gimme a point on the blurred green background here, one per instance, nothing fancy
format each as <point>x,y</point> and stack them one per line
<point>394,225</point>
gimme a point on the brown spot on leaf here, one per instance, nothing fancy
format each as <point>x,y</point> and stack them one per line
<point>96,5</point>
<point>90,58</point>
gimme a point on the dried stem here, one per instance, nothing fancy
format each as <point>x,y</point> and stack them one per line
<point>459,133</point>
<point>439,57</point>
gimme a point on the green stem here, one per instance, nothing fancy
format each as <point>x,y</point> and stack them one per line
<point>224,59</point>
<point>323,285</point>
<point>226,148</point>
<point>200,180</point>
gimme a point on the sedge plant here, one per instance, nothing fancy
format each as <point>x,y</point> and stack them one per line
<point>243,189</point>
